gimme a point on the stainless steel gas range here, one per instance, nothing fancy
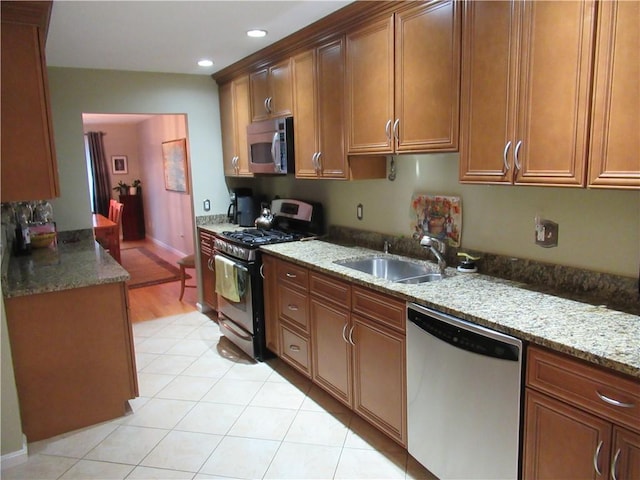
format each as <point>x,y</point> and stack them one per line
<point>238,277</point>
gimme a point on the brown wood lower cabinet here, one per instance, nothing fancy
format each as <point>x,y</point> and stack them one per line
<point>355,354</point>
<point>570,430</point>
<point>73,357</point>
<point>207,269</point>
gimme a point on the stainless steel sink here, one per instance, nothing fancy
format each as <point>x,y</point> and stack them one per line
<point>392,269</point>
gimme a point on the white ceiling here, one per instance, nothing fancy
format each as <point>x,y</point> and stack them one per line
<point>171,36</point>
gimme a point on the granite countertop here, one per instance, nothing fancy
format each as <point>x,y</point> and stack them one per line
<point>594,333</point>
<point>75,264</point>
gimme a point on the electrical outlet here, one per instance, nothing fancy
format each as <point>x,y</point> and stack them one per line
<point>359,211</point>
<point>546,233</point>
<point>207,205</point>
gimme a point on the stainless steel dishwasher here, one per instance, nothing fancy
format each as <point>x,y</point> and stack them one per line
<point>463,397</point>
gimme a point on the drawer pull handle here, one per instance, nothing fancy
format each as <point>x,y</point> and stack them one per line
<point>614,465</point>
<point>293,308</point>
<point>596,457</point>
<point>615,403</point>
<point>294,348</point>
<point>291,275</point>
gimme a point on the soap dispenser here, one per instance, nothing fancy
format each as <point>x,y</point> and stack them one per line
<point>467,265</point>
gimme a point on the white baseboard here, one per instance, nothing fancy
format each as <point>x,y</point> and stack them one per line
<point>16,458</point>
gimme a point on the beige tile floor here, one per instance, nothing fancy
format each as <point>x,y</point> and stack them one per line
<point>205,411</point>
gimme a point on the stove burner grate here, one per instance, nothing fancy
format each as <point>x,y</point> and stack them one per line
<point>257,236</point>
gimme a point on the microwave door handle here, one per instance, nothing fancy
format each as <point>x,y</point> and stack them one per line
<point>275,152</point>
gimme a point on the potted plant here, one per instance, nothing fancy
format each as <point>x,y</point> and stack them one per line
<point>121,188</point>
<point>135,186</point>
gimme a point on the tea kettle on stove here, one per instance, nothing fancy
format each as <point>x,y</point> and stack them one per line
<point>265,220</point>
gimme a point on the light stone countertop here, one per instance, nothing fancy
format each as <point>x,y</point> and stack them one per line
<point>594,333</point>
<point>76,264</point>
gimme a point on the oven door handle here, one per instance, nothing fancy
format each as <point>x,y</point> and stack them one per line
<point>226,325</point>
<point>237,265</point>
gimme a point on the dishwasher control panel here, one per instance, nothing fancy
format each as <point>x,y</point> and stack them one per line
<point>473,338</point>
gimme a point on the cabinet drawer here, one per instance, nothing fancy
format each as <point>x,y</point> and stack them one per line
<point>593,388</point>
<point>295,350</point>
<point>328,288</point>
<point>377,306</point>
<point>293,275</point>
<point>206,242</point>
<point>293,307</point>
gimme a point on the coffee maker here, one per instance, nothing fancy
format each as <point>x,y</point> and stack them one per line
<point>244,208</point>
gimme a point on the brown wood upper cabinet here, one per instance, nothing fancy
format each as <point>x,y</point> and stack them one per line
<point>403,81</point>
<point>271,91</point>
<point>614,153</point>
<point>235,115</point>
<point>526,77</point>
<point>29,168</point>
<point>318,106</point>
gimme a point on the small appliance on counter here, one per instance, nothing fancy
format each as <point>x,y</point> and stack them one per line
<point>244,207</point>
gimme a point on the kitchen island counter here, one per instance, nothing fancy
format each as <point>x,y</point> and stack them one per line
<point>593,333</point>
<point>80,262</point>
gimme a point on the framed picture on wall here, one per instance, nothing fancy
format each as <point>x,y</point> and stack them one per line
<point>119,165</point>
<point>174,157</point>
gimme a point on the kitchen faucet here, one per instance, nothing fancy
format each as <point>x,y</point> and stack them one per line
<point>437,247</point>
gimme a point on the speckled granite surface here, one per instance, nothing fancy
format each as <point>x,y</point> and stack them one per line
<point>77,262</point>
<point>598,334</point>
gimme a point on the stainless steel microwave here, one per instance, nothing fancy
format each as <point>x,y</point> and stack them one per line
<point>271,146</point>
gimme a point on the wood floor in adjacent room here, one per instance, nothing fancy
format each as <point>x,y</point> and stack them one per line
<point>157,301</point>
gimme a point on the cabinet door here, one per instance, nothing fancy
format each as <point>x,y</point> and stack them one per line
<point>427,77</point>
<point>489,52</point>
<point>259,94</point>
<point>207,270</point>
<point>227,130</point>
<point>614,156</point>
<point>280,89</point>
<point>563,442</point>
<point>305,113</point>
<point>331,355</point>
<point>29,169</point>
<point>270,303</point>
<point>242,120</point>
<point>554,96</point>
<point>332,160</point>
<point>379,368</point>
<point>626,454</point>
<point>370,79</point>
<point>234,118</point>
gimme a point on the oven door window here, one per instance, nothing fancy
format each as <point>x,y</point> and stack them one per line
<point>241,311</point>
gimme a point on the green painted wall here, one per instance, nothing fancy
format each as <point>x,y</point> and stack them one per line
<point>598,229</point>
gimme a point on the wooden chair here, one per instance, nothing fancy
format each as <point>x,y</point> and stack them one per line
<point>115,211</point>
<point>109,238</point>
<point>184,263</point>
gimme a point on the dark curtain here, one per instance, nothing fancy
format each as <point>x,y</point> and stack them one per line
<point>99,173</point>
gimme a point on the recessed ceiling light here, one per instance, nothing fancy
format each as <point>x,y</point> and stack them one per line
<point>205,62</point>
<point>256,33</point>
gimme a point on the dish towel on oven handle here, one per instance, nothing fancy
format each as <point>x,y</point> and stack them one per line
<point>230,279</point>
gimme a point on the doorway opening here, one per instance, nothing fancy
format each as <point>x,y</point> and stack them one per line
<point>156,210</point>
